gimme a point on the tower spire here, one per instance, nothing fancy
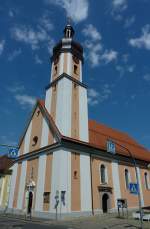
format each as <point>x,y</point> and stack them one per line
<point>69,31</point>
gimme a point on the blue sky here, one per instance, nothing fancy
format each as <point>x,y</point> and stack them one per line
<point>115,35</point>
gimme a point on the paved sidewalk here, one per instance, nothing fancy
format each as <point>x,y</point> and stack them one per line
<point>104,221</point>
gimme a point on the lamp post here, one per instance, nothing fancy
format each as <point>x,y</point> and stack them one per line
<point>137,180</point>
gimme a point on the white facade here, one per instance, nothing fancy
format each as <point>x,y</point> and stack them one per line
<point>85,183</point>
<point>116,181</point>
<point>61,180</point>
<point>63,106</point>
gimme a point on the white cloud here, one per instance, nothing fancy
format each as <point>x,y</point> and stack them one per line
<point>109,56</point>
<point>93,52</point>
<point>18,92</point>
<point>76,9</point>
<point>38,60</point>
<point>143,41</point>
<point>46,23</point>
<point>96,52</point>
<point>125,58</point>
<point>120,69</point>
<point>125,69</point>
<point>7,140</point>
<point>129,21</point>
<point>15,88</point>
<point>105,93</point>
<point>119,5</point>
<point>131,68</point>
<point>117,8</point>
<point>147,77</point>
<point>14,54</point>
<point>2,44</point>
<point>95,97</point>
<point>30,36</point>
<point>11,13</point>
<point>91,32</point>
<point>25,100</point>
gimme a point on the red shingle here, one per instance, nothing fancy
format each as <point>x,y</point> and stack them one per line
<point>99,134</point>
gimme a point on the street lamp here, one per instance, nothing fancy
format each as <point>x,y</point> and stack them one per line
<point>137,180</point>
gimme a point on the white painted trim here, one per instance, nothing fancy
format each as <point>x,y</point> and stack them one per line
<point>45,133</point>
<point>80,70</point>
<point>140,184</point>
<point>148,179</point>
<point>2,190</point>
<point>22,185</point>
<point>52,69</point>
<point>40,183</point>
<point>69,64</point>
<point>85,182</point>
<point>61,180</point>
<point>12,185</point>
<point>27,139</point>
<point>61,64</point>
<point>48,99</point>
<point>63,106</point>
<point>83,115</point>
<point>116,181</point>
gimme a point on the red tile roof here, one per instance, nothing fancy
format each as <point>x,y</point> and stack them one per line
<point>99,134</point>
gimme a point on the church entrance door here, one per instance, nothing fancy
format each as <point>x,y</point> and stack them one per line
<point>105,199</point>
<point>30,202</point>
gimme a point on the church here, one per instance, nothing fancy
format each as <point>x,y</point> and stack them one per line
<point>68,164</point>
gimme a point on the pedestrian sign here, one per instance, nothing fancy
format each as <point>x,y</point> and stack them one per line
<point>133,187</point>
<point>13,153</point>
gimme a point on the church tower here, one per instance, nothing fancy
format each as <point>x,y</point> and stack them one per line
<point>66,101</point>
<point>66,95</point>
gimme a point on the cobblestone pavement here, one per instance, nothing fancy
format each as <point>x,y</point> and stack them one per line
<point>104,221</point>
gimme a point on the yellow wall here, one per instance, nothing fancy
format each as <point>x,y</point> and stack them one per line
<point>4,190</point>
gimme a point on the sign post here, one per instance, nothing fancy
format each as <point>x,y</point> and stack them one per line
<point>57,202</point>
<point>137,186</point>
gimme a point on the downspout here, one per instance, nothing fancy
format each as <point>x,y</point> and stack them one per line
<point>91,184</point>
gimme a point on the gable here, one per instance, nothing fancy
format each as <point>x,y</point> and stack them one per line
<point>38,133</point>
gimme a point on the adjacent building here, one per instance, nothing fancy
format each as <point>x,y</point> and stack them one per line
<point>63,162</point>
<point>5,177</point>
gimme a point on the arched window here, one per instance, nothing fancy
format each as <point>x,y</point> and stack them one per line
<point>127,178</point>
<point>146,180</point>
<point>103,174</point>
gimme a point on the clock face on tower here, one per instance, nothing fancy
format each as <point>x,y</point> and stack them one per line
<point>75,59</point>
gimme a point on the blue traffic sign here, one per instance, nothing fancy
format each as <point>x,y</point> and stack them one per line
<point>133,187</point>
<point>13,153</point>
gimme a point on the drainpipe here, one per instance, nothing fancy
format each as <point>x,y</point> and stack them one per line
<point>91,184</point>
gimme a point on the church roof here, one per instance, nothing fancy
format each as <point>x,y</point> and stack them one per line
<point>99,134</point>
